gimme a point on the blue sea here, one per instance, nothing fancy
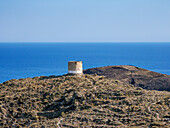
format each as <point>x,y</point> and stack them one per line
<point>22,60</point>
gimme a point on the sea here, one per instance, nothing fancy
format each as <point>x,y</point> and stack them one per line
<point>22,60</point>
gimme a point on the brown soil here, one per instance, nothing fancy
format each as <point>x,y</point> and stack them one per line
<point>133,75</point>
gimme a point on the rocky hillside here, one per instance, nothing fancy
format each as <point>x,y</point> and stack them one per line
<point>133,75</point>
<point>81,101</point>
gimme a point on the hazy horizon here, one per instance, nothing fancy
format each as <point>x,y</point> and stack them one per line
<point>85,42</point>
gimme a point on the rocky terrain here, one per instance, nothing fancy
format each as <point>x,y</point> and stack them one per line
<point>81,101</point>
<point>133,75</point>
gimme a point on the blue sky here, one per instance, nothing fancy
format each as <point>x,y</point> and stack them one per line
<point>84,20</point>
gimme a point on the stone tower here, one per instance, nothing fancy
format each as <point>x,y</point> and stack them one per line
<point>75,67</point>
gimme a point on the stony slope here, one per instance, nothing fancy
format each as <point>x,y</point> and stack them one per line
<point>137,76</point>
<point>86,101</point>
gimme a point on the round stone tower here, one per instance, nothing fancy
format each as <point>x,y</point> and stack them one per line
<point>75,67</point>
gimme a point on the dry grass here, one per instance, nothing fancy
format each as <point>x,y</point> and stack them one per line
<point>73,101</point>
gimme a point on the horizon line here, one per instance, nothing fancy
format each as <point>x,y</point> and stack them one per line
<point>87,42</point>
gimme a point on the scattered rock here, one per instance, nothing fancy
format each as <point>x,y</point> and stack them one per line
<point>86,101</point>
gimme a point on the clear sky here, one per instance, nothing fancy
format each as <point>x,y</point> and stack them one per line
<point>84,20</point>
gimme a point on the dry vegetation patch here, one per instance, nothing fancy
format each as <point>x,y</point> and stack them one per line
<point>76,101</point>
